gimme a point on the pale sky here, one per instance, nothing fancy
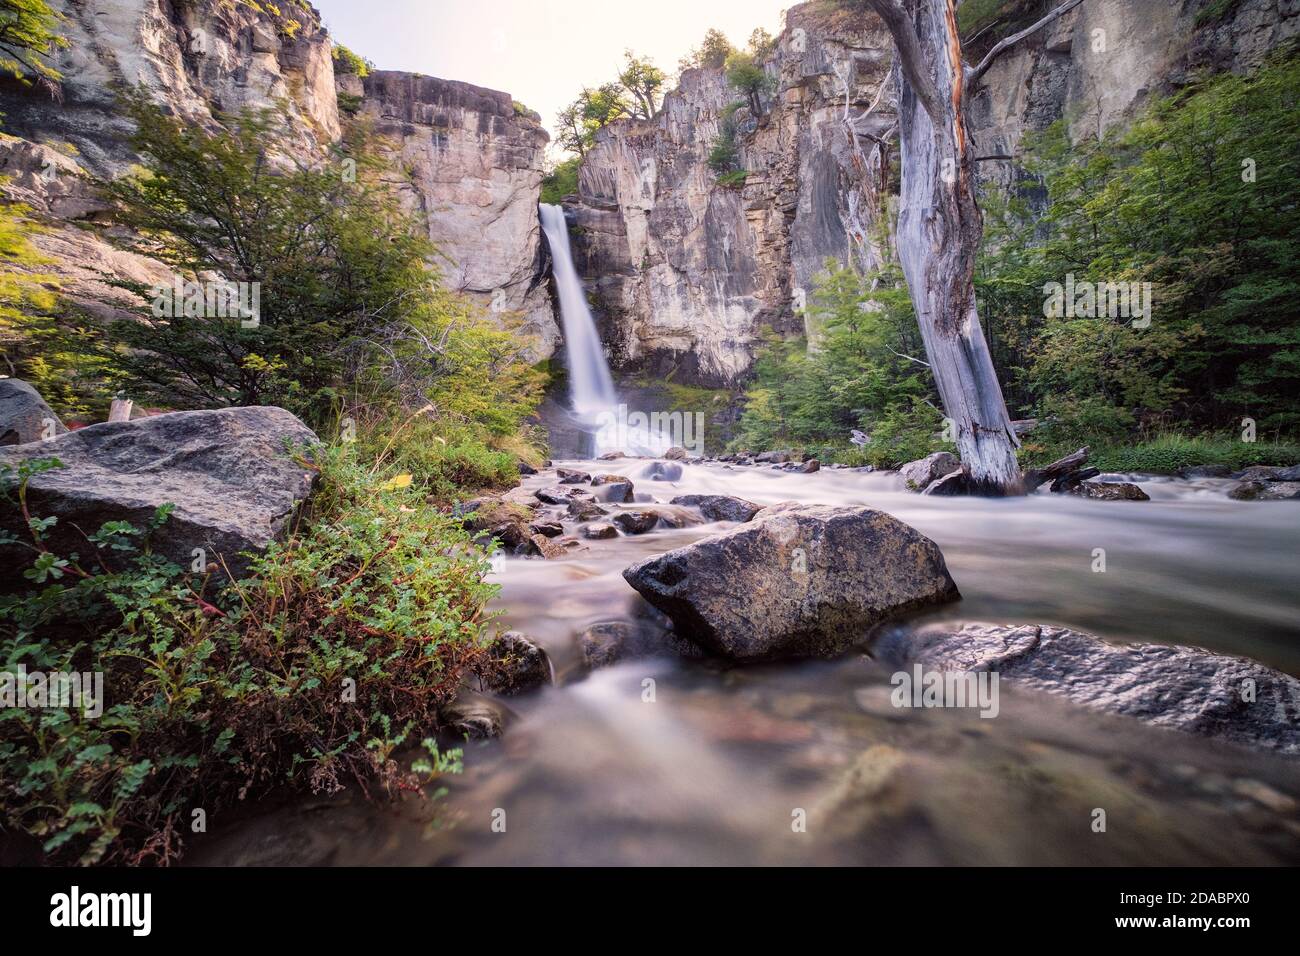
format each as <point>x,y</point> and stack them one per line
<point>541,52</point>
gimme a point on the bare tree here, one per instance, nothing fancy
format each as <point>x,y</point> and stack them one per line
<point>940,227</point>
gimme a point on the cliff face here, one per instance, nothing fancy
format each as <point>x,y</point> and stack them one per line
<point>685,272</point>
<point>471,164</point>
<point>460,155</point>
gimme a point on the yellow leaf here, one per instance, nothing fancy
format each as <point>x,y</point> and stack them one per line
<point>400,481</point>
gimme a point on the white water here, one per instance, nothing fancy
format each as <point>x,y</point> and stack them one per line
<point>592,397</point>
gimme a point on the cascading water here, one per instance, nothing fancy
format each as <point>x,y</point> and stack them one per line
<point>592,397</point>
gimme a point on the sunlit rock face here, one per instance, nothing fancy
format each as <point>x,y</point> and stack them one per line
<point>687,271</point>
<point>461,156</point>
<point>470,163</point>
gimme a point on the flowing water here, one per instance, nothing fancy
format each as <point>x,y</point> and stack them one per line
<point>725,759</point>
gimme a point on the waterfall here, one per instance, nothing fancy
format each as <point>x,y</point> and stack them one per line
<point>592,398</point>
<point>591,388</point>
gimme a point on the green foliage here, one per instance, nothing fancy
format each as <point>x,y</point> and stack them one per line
<point>724,157</point>
<point>592,111</point>
<point>854,375</point>
<point>561,181</point>
<point>1165,454</point>
<point>734,179</point>
<point>29,32</point>
<point>711,53</point>
<point>1201,198</point>
<point>214,699</point>
<point>746,74</point>
<point>345,61</point>
<point>761,44</point>
<point>641,81</point>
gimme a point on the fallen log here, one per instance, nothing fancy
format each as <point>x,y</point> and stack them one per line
<point>1057,469</point>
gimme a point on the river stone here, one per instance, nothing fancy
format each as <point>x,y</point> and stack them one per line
<point>1264,490</point>
<point>797,581</point>
<point>720,507</point>
<point>1289,474</point>
<point>1204,471</point>
<point>636,522</point>
<point>560,496</point>
<point>809,466</point>
<point>918,474</point>
<point>568,477</point>
<point>1259,473</point>
<point>610,642</point>
<point>475,716</point>
<point>541,545</point>
<point>506,521</point>
<point>599,530</point>
<point>662,471</point>
<point>228,473</point>
<point>599,480</point>
<point>585,510</point>
<point>516,664</point>
<point>24,416</point>
<point>1110,491</point>
<point>676,453</point>
<point>620,491</point>
<point>1185,688</point>
<point>551,529</point>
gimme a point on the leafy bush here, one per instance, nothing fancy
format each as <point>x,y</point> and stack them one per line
<point>561,181</point>
<point>335,651</point>
<point>1166,454</point>
<point>345,61</point>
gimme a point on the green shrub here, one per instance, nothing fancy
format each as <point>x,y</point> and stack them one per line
<point>337,650</point>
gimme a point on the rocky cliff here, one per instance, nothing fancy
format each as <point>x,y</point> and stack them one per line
<point>462,156</point>
<point>685,271</point>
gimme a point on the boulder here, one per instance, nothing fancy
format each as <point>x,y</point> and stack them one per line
<point>585,510</point>
<point>1264,490</point>
<point>551,529</point>
<point>568,477</point>
<point>1288,474</point>
<point>228,473</point>
<point>1259,473</point>
<point>598,480</point>
<point>516,664</point>
<point>599,530</point>
<point>620,491</point>
<point>797,581</point>
<point>1204,471</point>
<point>1110,491</point>
<point>611,456</point>
<point>636,522</point>
<point>560,495</point>
<point>545,547</point>
<point>676,453</point>
<point>809,466</point>
<point>918,474</point>
<point>950,485</point>
<point>610,642</point>
<point>24,416</point>
<point>720,507</point>
<point>1185,688</point>
<point>526,469</point>
<point>771,457</point>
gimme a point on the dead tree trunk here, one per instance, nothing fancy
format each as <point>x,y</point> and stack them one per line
<point>939,231</point>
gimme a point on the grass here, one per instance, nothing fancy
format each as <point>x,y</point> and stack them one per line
<point>1168,453</point>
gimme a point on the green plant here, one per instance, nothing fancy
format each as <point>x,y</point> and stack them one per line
<point>345,61</point>
<point>29,32</point>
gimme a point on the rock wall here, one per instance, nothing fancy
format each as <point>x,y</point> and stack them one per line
<point>685,272</point>
<point>460,155</point>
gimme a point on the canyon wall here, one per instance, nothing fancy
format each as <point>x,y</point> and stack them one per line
<point>685,272</point>
<point>463,157</point>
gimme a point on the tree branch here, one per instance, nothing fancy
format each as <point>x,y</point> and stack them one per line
<point>910,56</point>
<point>973,75</point>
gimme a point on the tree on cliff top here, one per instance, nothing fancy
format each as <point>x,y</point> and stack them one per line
<point>641,80</point>
<point>712,52</point>
<point>940,228</point>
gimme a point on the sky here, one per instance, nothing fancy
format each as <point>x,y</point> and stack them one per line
<point>541,52</point>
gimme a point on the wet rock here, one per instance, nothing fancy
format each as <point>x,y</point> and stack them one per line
<point>1068,483</point>
<point>1184,688</point>
<point>918,474</point>
<point>676,453</point>
<point>551,529</point>
<point>568,477</point>
<point>1289,474</point>
<point>797,581</point>
<point>475,716</point>
<point>609,642</point>
<point>771,457</point>
<point>516,664</point>
<point>227,472</point>
<point>636,522</point>
<point>561,496</point>
<point>1110,491</point>
<point>24,416</point>
<point>950,485</point>
<point>619,491</point>
<point>599,530</point>
<point>493,517</point>
<point>809,466</point>
<point>662,471</point>
<point>1264,490</point>
<point>545,547</point>
<point>583,509</point>
<point>526,469</point>
<point>521,496</point>
<point>611,456</point>
<point>598,480</point>
<point>1259,473</point>
<point>720,507</point>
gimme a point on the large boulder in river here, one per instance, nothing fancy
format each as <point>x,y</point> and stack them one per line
<point>1184,688</point>
<point>24,416</point>
<point>720,507</point>
<point>797,581</point>
<point>918,474</point>
<point>229,473</point>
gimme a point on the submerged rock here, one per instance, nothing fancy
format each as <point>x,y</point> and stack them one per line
<point>475,716</point>
<point>229,474</point>
<point>599,530</point>
<point>568,477</point>
<point>1184,688</point>
<point>540,544</point>
<point>619,491</point>
<point>662,471</point>
<point>798,581</point>
<point>720,507</point>
<point>636,522</point>
<point>583,509</point>
<point>1109,491</point>
<point>24,416</point>
<point>918,474</point>
<point>1265,490</point>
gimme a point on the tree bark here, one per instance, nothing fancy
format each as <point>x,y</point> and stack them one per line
<point>939,230</point>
